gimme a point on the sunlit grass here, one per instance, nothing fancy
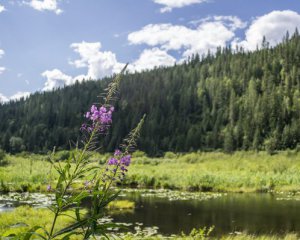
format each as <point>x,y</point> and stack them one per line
<point>216,171</point>
<point>24,218</point>
<point>239,172</point>
<point>121,204</point>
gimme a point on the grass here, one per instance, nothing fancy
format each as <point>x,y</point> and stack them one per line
<point>215,171</point>
<point>24,218</point>
<point>239,172</point>
<point>121,204</point>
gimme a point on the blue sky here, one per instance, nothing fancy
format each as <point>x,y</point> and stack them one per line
<point>45,44</point>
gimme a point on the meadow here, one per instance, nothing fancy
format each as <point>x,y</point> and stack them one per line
<point>198,171</point>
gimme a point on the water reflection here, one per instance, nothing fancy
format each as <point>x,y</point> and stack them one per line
<point>251,213</point>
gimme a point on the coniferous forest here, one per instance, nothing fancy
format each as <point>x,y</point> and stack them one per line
<point>230,100</point>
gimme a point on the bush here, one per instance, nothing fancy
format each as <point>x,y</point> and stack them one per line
<point>271,145</point>
<point>138,154</point>
<point>170,155</point>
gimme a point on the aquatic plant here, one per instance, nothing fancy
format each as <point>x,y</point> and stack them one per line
<point>98,180</point>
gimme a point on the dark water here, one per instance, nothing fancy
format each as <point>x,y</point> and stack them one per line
<point>251,213</point>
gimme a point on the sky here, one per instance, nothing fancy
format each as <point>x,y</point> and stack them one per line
<point>46,44</point>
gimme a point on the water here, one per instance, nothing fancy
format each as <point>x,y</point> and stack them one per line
<point>250,213</point>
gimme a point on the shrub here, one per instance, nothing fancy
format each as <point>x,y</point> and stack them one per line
<point>138,154</point>
<point>170,155</point>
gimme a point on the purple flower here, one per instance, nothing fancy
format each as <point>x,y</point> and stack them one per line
<point>113,161</point>
<point>101,116</point>
<point>117,152</point>
<point>123,169</point>
<point>49,188</point>
<point>93,109</point>
<point>126,160</point>
<point>103,109</point>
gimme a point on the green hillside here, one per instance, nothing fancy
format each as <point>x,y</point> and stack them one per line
<point>232,100</point>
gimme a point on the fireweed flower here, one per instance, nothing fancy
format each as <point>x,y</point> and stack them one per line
<point>101,117</point>
<point>49,188</point>
<point>117,166</point>
<point>126,160</point>
<point>113,161</point>
<point>117,152</point>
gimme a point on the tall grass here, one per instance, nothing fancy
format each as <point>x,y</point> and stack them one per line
<point>239,172</point>
<point>215,171</point>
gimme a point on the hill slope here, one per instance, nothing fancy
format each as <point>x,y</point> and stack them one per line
<point>227,101</point>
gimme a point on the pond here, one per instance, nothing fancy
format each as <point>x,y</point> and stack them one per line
<point>229,213</point>
<point>173,212</point>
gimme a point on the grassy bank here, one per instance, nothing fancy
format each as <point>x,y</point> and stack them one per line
<point>239,172</point>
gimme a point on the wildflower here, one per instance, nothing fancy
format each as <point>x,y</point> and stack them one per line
<point>100,117</point>
<point>49,188</point>
<point>113,161</point>
<point>117,152</point>
<point>123,169</point>
<point>126,160</point>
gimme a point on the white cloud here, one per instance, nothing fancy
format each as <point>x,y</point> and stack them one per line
<point>99,63</point>
<point>45,5</point>
<point>151,58</point>
<point>3,99</point>
<point>170,4</point>
<point>2,69</point>
<point>273,26</point>
<point>15,97</point>
<point>233,22</point>
<point>208,35</point>
<point>2,8</point>
<point>19,95</point>
<point>55,79</point>
<point>1,53</point>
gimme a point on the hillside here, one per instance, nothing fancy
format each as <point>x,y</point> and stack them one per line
<point>228,101</point>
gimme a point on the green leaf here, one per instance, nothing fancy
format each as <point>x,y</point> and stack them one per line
<point>70,228</point>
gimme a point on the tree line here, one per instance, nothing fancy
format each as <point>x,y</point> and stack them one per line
<point>230,100</point>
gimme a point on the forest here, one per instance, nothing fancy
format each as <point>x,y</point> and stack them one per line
<point>229,100</point>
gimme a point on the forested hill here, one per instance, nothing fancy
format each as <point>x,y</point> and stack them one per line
<point>227,101</point>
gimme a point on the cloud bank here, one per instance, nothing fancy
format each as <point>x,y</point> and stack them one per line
<point>15,97</point>
<point>209,34</point>
<point>161,40</point>
<point>273,26</point>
